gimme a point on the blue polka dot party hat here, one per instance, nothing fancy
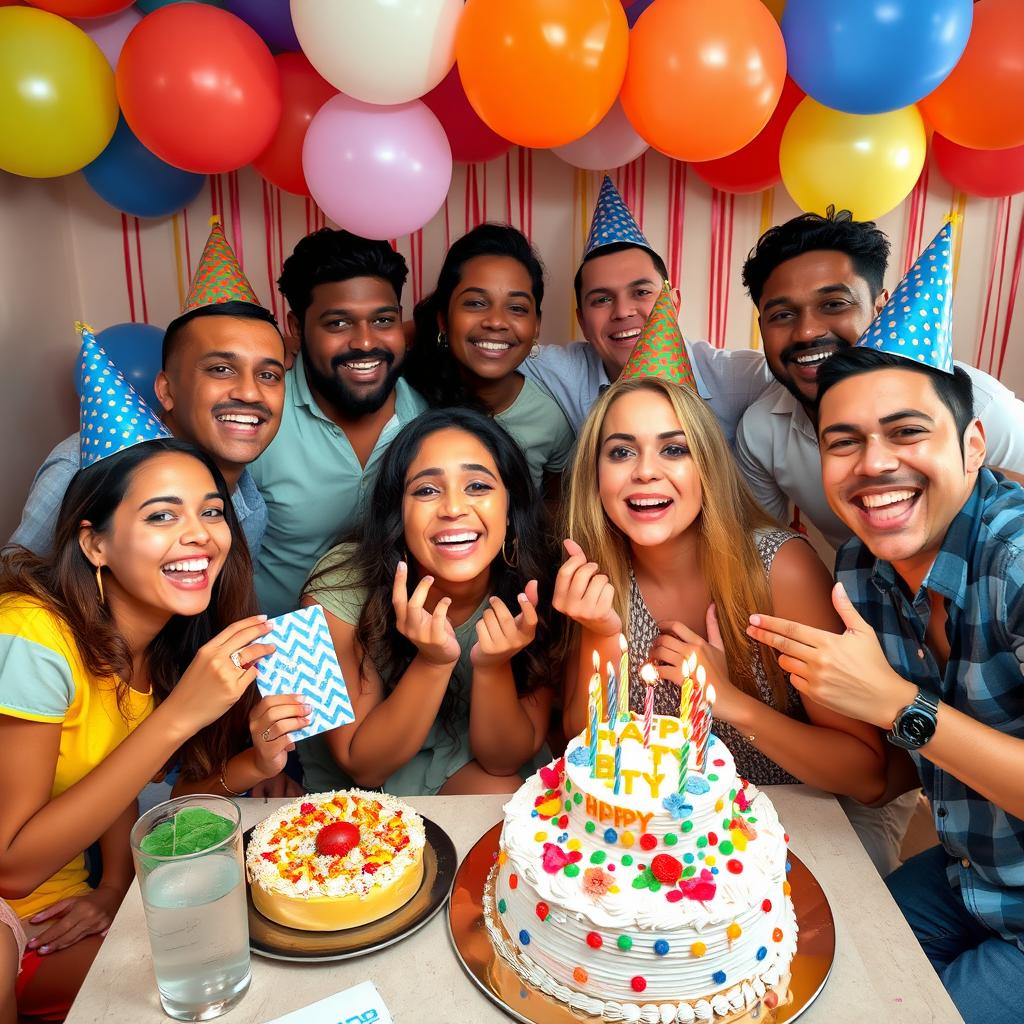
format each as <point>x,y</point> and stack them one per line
<point>113,414</point>
<point>917,321</point>
<point>612,221</point>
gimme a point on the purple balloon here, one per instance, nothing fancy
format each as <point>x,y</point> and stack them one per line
<point>380,172</point>
<point>272,19</point>
<point>635,9</point>
<point>110,32</point>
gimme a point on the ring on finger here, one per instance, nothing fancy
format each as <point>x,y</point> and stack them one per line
<point>236,659</point>
<point>265,735</point>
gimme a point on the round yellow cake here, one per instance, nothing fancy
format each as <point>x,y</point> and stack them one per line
<point>335,860</point>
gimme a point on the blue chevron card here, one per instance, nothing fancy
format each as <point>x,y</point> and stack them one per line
<point>306,665</point>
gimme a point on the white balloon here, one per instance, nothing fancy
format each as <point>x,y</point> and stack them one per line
<point>609,144</point>
<point>379,51</point>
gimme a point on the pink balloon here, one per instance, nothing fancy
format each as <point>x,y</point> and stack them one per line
<point>471,140</point>
<point>611,143</point>
<point>379,172</point>
<point>110,32</point>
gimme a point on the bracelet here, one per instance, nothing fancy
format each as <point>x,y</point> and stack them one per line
<point>224,785</point>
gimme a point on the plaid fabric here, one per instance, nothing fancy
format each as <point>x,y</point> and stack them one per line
<point>980,573</point>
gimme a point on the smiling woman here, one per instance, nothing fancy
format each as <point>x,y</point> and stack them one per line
<point>433,609</point>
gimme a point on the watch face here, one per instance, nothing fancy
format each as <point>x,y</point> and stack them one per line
<point>916,727</point>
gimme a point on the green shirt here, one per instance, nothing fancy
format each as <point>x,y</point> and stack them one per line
<point>538,425</point>
<point>314,487</point>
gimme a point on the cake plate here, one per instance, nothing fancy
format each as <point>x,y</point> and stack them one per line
<point>279,942</point>
<point>815,948</point>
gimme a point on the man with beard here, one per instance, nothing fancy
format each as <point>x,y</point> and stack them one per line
<point>817,284</point>
<point>345,403</point>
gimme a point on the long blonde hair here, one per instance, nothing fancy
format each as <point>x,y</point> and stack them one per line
<point>729,516</point>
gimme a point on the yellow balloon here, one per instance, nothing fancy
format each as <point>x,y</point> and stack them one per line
<point>776,7</point>
<point>58,103</point>
<point>865,163</point>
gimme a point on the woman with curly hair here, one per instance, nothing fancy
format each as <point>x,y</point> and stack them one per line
<point>432,607</point>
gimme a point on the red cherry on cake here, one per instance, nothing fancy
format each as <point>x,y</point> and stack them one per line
<point>336,839</point>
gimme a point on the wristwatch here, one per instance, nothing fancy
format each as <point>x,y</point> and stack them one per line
<point>915,724</point>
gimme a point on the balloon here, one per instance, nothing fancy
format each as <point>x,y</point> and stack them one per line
<point>865,163</point>
<point>303,93</point>
<point>611,144</point>
<point>379,51</point>
<point>272,19</point>
<point>58,107</point>
<point>703,78</point>
<point>471,140</point>
<point>981,172</point>
<point>634,10</point>
<point>109,33</point>
<point>755,167</point>
<point>777,7</point>
<point>135,349</point>
<point>979,105</point>
<point>149,6</point>
<point>199,88</point>
<point>380,172</point>
<point>134,181</point>
<point>542,72</point>
<point>874,55</point>
<point>81,8</point>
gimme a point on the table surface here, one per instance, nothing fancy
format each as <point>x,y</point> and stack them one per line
<point>879,974</point>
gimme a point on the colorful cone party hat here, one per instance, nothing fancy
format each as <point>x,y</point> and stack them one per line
<point>917,321</point>
<point>113,415</point>
<point>218,277</point>
<point>660,350</point>
<point>612,222</point>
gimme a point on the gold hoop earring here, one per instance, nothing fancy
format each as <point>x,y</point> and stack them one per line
<point>99,583</point>
<point>442,340</point>
<point>513,562</point>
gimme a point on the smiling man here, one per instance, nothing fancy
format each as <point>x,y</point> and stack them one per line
<point>221,387</point>
<point>817,285</point>
<point>345,402</point>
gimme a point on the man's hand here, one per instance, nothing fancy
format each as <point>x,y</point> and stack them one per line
<point>847,672</point>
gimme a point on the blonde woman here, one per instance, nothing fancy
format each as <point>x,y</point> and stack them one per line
<point>668,546</point>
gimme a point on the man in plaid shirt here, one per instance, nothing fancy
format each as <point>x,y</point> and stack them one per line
<point>931,590</point>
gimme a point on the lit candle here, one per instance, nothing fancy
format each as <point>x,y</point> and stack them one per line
<point>595,721</point>
<point>684,759</point>
<point>710,695</point>
<point>649,674</point>
<point>623,678</point>
<point>618,767</point>
<point>597,676</point>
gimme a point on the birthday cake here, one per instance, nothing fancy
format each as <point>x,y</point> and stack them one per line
<point>638,878</point>
<point>335,860</point>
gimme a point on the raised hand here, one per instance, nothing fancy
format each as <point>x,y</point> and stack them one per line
<point>584,594</point>
<point>499,636</point>
<point>432,634</point>
<point>271,722</point>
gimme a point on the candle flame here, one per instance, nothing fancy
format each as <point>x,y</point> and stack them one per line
<point>691,664</point>
<point>649,674</point>
<point>710,694</point>
<point>623,646</point>
<point>702,676</point>
<point>597,661</point>
<point>610,669</point>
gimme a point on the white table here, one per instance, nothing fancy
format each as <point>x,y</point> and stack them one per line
<point>880,972</point>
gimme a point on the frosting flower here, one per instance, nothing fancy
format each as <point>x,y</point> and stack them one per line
<point>697,784</point>
<point>597,881</point>
<point>554,858</point>
<point>702,888</point>
<point>677,806</point>
<point>579,756</point>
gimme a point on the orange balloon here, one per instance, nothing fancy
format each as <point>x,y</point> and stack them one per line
<point>703,78</point>
<point>979,105</point>
<point>542,73</point>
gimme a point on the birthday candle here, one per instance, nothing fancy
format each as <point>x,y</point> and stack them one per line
<point>710,696</point>
<point>597,677</point>
<point>649,674</point>
<point>684,758</point>
<point>595,696</point>
<point>623,677</point>
<point>613,695</point>
<point>618,767</point>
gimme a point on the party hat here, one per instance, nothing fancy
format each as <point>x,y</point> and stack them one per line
<point>612,222</point>
<point>660,350</point>
<point>917,321</point>
<point>218,278</point>
<point>113,415</point>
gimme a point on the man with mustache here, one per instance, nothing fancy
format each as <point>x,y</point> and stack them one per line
<point>345,402</point>
<point>817,284</point>
<point>221,387</point>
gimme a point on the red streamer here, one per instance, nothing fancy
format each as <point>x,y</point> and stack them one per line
<point>999,292</point>
<point>1003,212</point>
<point>188,245</point>
<point>236,218</point>
<point>128,266</point>
<point>677,173</point>
<point>1011,299</point>
<point>268,234</point>
<point>142,280</point>
<point>416,263</point>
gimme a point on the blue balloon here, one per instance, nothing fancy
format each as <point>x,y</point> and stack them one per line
<point>872,56</point>
<point>134,180</point>
<point>136,350</point>
<point>635,9</point>
<point>272,19</point>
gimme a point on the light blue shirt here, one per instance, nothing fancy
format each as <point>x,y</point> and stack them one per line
<point>46,495</point>
<point>314,486</point>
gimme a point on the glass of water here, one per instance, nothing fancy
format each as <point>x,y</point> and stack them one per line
<point>188,859</point>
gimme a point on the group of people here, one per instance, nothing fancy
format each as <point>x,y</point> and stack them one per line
<point>477,514</point>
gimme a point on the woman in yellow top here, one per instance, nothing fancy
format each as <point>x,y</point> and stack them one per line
<point>129,647</point>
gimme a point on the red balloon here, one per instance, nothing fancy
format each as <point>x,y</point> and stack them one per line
<point>755,167</point>
<point>471,140</point>
<point>303,93</point>
<point>80,8</point>
<point>981,172</point>
<point>199,88</point>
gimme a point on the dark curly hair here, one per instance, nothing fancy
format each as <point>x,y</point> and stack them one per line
<point>378,545</point>
<point>432,370</point>
<point>861,240</point>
